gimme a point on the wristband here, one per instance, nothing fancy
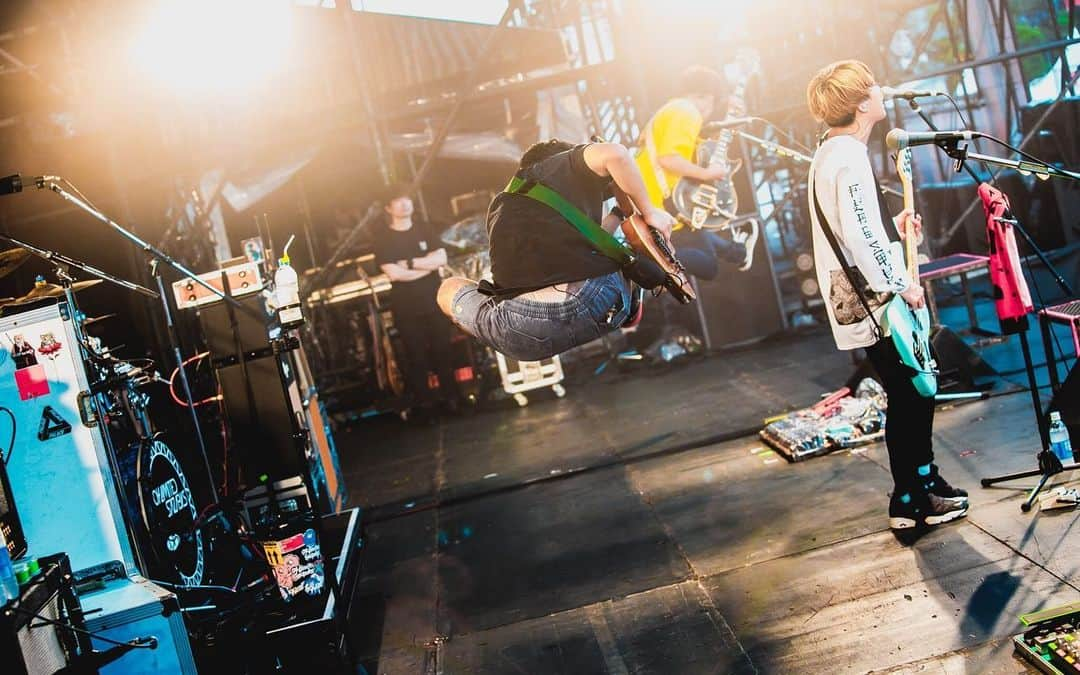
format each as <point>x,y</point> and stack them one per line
<point>618,213</point>
<point>409,264</point>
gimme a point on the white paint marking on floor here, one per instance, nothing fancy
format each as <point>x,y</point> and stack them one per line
<point>490,475</point>
<point>606,641</point>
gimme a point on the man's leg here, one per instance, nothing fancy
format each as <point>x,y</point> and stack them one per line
<point>415,365</point>
<point>909,440</point>
<point>447,290</point>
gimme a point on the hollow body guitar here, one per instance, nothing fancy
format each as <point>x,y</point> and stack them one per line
<point>910,328</point>
<point>648,241</point>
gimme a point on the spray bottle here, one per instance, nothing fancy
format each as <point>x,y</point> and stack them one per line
<point>287,291</point>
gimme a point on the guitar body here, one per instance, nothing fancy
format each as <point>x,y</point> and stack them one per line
<point>706,205</point>
<point>910,328</point>
<point>648,241</point>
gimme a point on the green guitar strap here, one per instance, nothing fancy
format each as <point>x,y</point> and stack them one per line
<point>604,241</point>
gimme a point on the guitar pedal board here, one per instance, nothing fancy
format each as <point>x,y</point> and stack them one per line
<point>1052,641</point>
<point>839,421</point>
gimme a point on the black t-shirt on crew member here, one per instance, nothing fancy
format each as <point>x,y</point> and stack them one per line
<point>532,246</point>
<point>392,246</point>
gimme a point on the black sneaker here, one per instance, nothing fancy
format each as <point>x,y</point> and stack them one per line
<point>930,510</point>
<point>937,485</point>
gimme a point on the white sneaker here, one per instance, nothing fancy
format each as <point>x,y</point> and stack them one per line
<point>747,235</point>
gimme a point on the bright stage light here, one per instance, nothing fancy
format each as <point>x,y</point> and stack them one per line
<point>213,45</point>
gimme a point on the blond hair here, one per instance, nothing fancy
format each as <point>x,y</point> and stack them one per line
<point>836,91</point>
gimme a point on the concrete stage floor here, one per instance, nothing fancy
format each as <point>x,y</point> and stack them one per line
<point>636,526</point>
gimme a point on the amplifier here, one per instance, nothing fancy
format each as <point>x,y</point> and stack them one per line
<point>10,526</point>
<point>244,279</point>
<point>131,608</point>
<point>30,645</point>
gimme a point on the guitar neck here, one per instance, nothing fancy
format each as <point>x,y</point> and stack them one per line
<point>911,247</point>
<point>736,106</point>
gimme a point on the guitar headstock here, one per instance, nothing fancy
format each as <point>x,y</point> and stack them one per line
<point>903,168</point>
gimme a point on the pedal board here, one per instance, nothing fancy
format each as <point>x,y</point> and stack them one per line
<point>1052,641</point>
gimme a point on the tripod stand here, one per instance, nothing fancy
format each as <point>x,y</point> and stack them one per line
<point>1049,464</point>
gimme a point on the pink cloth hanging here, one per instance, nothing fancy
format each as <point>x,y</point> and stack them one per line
<point>1012,298</point>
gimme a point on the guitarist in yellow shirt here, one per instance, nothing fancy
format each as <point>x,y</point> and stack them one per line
<point>675,130</point>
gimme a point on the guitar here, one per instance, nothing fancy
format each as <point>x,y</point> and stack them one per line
<point>910,328</point>
<point>713,205</point>
<point>648,241</point>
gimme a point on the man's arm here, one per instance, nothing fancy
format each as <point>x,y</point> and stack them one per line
<point>864,234</point>
<point>432,261</point>
<point>612,159</point>
<point>681,166</point>
<point>399,272</point>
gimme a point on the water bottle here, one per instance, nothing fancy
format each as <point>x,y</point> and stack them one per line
<point>287,292</point>
<point>1059,439</point>
<point>9,585</point>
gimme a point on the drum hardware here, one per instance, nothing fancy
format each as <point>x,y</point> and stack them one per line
<point>468,235</point>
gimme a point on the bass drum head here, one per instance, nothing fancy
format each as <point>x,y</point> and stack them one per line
<point>168,511</point>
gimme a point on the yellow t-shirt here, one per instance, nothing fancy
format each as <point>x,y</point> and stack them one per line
<point>675,129</point>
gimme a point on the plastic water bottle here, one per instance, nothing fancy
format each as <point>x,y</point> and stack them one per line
<point>9,585</point>
<point>287,292</point>
<point>1059,439</point>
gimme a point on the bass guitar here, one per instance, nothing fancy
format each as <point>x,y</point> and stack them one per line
<point>910,328</point>
<point>650,242</point>
<point>712,205</point>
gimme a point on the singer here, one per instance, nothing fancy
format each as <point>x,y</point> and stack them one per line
<point>845,199</point>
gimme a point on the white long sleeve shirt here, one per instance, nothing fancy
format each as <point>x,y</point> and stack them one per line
<point>843,180</point>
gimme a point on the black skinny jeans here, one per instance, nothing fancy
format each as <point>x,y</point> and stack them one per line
<point>910,420</point>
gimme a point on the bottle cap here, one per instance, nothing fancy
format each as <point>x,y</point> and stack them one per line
<point>22,573</point>
<point>284,259</point>
<point>1055,416</point>
<point>34,567</point>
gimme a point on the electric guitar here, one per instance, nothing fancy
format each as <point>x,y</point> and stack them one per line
<point>648,241</point>
<point>910,328</point>
<point>713,205</point>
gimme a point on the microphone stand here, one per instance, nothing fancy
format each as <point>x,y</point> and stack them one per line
<point>960,153</point>
<point>51,183</point>
<point>1049,463</point>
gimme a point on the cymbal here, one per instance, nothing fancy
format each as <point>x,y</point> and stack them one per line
<point>43,290</point>
<point>11,259</point>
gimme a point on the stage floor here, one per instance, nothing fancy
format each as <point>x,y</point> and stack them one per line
<point>635,526</point>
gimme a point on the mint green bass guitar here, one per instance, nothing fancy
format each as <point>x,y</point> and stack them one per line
<point>910,328</point>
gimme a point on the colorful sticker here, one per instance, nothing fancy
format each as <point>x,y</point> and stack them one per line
<point>31,382</point>
<point>52,425</point>
<point>50,346</point>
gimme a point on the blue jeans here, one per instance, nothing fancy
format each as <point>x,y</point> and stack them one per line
<point>528,330</point>
<point>699,251</point>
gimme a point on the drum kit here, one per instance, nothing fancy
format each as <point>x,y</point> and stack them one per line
<point>468,238</point>
<point>121,396</point>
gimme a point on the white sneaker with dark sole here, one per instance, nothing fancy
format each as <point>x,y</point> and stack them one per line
<point>929,511</point>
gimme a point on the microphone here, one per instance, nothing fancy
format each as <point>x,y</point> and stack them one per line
<point>11,184</point>
<point>889,92</point>
<point>14,183</point>
<point>728,123</point>
<point>898,139</point>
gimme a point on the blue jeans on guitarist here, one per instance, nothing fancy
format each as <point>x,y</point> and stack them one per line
<point>700,252</point>
<point>529,330</point>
